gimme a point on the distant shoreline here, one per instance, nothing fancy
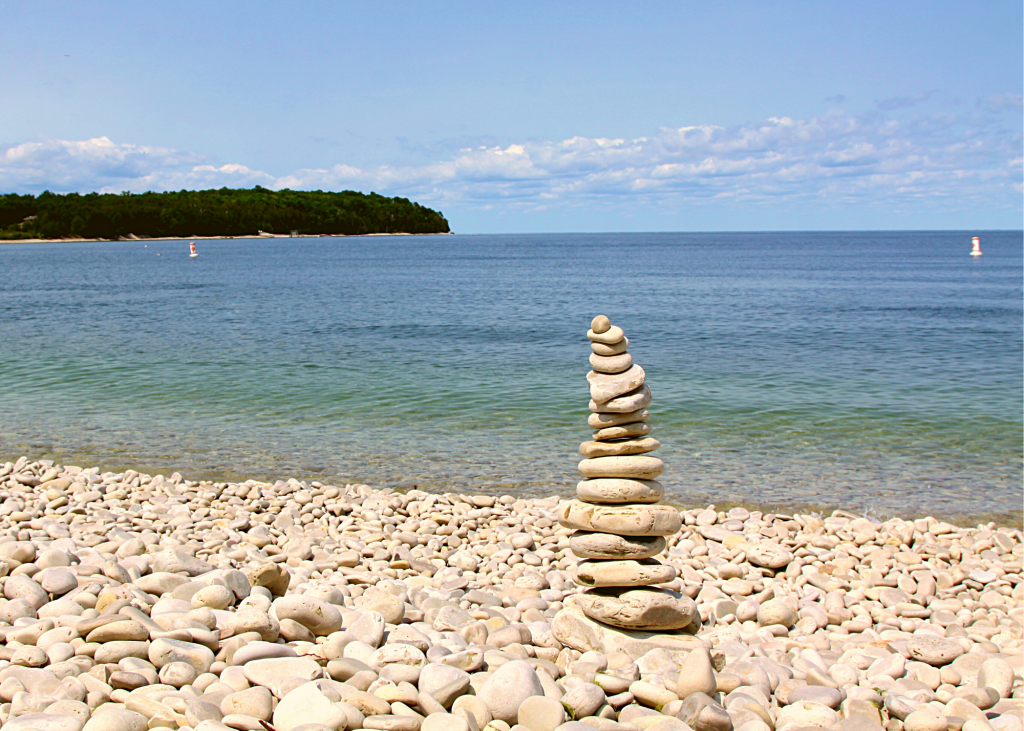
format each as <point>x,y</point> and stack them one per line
<point>200,238</point>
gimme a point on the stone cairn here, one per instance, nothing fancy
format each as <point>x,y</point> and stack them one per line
<point>619,524</point>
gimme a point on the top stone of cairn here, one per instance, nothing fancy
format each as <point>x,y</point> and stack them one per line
<point>619,524</point>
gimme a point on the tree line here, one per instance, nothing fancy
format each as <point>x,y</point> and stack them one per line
<point>223,212</point>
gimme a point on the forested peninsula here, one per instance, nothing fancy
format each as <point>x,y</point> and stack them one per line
<point>223,212</point>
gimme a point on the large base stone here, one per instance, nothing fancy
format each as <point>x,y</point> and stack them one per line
<point>638,609</point>
<point>574,629</point>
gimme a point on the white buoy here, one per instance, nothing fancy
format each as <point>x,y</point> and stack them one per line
<point>975,246</point>
<point>192,250</point>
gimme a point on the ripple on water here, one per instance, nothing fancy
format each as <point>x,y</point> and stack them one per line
<point>874,372</point>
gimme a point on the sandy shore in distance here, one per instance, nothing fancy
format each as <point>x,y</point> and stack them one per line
<point>134,601</point>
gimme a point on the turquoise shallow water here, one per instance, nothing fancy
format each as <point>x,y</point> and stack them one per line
<point>876,372</point>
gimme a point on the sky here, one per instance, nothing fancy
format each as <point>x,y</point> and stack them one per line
<point>534,116</point>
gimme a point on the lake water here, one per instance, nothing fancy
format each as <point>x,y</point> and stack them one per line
<point>880,373</point>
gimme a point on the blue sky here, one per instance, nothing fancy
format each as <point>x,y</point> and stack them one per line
<point>534,116</point>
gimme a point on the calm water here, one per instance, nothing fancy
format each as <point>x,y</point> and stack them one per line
<point>876,372</point>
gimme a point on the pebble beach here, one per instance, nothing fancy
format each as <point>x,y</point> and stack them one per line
<point>136,602</point>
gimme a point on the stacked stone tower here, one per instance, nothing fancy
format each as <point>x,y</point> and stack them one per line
<point>620,525</point>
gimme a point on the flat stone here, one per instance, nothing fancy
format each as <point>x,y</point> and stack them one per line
<point>623,447</point>
<point>165,651</point>
<point>652,695</point>
<point>619,490</point>
<point>830,697</point>
<point>606,386</point>
<point>314,614</point>
<point>391,722</point>
<point>636,429</point>
<point>113,652</point>
<point>634,467</point>
<point>126,680</point>
<point>23,587</point>
<point>641,609</point>
<point>585,544</point>
<point>611,363</point>
<point>625,520</point>
<point>178,562</point>
<point>934,650</point>
<point>160,582</point>
<point>767,555</point>
<point>260,650</point>
<point>609,337</point>
<point>396,654</point>
<point>127,630</point>
<point>632,401</point>
<point>603,421</point>
<point>267,672</point>
<point>623,573</point>
<point>610,349</point>
<point>982,697</point>
<point>450,618</point>
<point>56,581</point>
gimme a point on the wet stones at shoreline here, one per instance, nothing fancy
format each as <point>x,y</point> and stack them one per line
<point>132,602</point>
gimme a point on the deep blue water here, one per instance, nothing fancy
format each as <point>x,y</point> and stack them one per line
<point>875,372</point>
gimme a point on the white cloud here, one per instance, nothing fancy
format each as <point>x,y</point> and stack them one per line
<point>836,158</point>
<point>61,165</point>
